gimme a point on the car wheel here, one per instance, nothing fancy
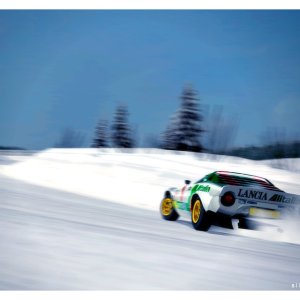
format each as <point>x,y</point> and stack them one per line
<point>167,210</point>
<point>200,218</point>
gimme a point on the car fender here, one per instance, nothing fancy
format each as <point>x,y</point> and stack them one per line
<point>209,196</point>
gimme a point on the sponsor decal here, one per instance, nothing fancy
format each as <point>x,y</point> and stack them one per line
<point>252,194</point>
<point>200,187</point>
<point>180,205</point>
<point>281,198</point>
<point>259,195</point>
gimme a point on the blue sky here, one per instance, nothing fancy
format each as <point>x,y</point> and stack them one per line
<point>67,69</point>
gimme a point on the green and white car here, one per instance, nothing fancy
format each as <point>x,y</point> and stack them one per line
<point>221,196</point>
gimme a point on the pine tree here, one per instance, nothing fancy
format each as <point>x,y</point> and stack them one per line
<point>121,132</point>
<point>184,129</point>
<point>190,122</point>
<point>101,135</point>
<point>170,136</point>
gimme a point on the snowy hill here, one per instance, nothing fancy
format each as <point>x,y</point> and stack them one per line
<point>138,177</point>
<point>52,239</point>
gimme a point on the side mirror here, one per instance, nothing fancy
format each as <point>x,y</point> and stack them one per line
<point>187,181</point>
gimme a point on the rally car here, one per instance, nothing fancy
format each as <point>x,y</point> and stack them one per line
<point>222,196</point>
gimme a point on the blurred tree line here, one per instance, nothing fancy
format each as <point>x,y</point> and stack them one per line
<point>119,135</point>
<point>274,145</point>
<point>187,130</point>
<point>183,133</point>
<point>272,151</point>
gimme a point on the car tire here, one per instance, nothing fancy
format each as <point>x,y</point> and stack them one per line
<point>200,218</point>
<point>167,209</point>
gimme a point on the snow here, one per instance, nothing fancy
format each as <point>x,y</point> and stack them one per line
<point>138,177</point>
<point>88,219</point>
<point>53,240</point>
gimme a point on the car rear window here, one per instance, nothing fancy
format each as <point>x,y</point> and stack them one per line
<point>225,178</point>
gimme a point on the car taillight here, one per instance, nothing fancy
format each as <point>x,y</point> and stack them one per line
<point>227,199</point>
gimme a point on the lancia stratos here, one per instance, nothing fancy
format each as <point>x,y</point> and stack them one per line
<point>222,196</point>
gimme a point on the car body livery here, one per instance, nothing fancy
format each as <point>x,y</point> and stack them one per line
<point>221,196</point>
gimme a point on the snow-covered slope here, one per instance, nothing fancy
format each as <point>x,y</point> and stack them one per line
<point>136,178</point>
<point>86,239</point>
<point>53,240</point>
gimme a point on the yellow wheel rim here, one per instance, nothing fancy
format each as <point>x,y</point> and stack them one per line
<point>196,211</point>
<point>166,206</point>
